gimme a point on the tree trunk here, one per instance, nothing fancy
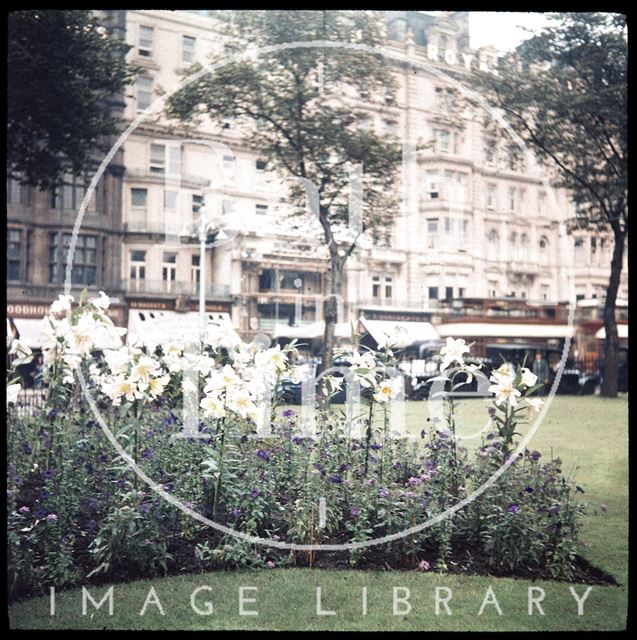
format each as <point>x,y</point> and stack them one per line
<point>611,346</point>
<point>335,280</point>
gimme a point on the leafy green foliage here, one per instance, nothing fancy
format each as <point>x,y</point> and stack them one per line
<point>64,71</point>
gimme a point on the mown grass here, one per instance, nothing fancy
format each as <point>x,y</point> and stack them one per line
<point>589,434</point>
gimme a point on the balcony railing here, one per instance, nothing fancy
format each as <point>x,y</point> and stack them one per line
<point>174,287</point>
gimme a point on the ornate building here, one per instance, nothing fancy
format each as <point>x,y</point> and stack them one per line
<point>477,233</point>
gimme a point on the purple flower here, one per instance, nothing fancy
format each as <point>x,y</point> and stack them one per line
<point>236,512</point>
<point>263,455</point>
<point>148,453</point>
<point>144,507</point>
<point>376,446</point>
<point>603,507</point>
<point>287,413</point>
<point>414,481</point>
<point>423,565</point>
<point>553,511</point>
<point>40,513</point>
<point>535,455</point>
<point>24,509</point>
<point>254,494</point>
<point>270,565</point>
<point>297,440</point>
<point>422,434</point>
<point>513,508</point>
<point>52,517</point>
<point>26,449</point>
<point>383,493</point>
<point>529,490</point>
<point>354,511</point>
<point>336,479</point>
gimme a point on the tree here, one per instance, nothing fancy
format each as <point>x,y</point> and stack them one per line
<point>63,71</point>
<point>292,108</point>
<point>564,91</point>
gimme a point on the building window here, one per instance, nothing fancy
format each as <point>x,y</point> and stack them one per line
<point>432,184</point>
<point>144,92</point>
<point>514,159</point>
<point>376,288</point>
<point>139,198</point>
<point>543,245</point>
<point>169,271</point>
<point>432,293</point>
<point>260,165</point>
<point>512,199</point>
<point>594,255</point>
<point>492,238</point>
<point>53,257</point>
<point>545,292</point>
<point>14,252</point>
<point>145,43</point>
<point>442,140</point>
<point>489,152</point>
<point>261,209</point>
<point>389,281</point>
<point>197,202</point>
<point>137,269</point>
<point>579,252</point>
<point>84,267</point>
<point>69,195</point>
<point>18,193</point>
<point>448,293</point>
<point>188,49</point>
<point>493,288</point>
<point>432,233</point>
<point>444,99</point>
<point>158,158</point>
<point>491,196</point>
<point>195,269</point>
<point>541,202</point>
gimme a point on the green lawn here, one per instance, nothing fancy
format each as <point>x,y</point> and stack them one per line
<point>589,434</point>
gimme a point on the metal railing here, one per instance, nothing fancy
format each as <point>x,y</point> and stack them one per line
<point>174,287</point>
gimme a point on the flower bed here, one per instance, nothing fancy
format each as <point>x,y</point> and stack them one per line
<point>77,511</point>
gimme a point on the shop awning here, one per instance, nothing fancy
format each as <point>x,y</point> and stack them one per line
<point>401,334</point>
<point>310,331</point>
<point>29,331</point>
<point>152,327</point>
<point>622,332</point>
<point>495,330</point>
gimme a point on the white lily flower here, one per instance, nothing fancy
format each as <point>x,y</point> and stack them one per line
<point>62,304</point>
<point>144,369</point>
<point>241,402</point>
<point>388,389</point>
<point>505,392</point>
<point>13,390</point>
<point>117,360</point>
<point>535,404</point>
<point>213,407</point>
<point>103,302</point>
<point>528,377</point>
<point>453,352</point>
<point>156,386</point>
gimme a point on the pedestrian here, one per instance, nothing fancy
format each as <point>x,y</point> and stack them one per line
<point>541,370</point>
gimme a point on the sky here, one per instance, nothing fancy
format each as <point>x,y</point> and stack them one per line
<point>501,29</point>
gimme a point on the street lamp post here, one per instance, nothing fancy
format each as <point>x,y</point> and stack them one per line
<point>203,224</point>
